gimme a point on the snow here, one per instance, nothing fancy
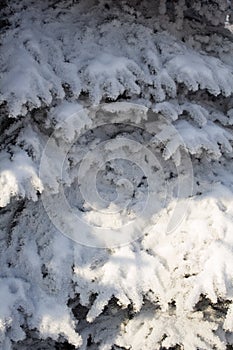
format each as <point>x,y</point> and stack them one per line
<point>116,177</point>
<point>18,177</point>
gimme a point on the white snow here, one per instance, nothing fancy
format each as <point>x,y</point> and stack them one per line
<point>118,137</point>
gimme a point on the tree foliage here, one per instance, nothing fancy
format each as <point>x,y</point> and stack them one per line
<point>75,70</point>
